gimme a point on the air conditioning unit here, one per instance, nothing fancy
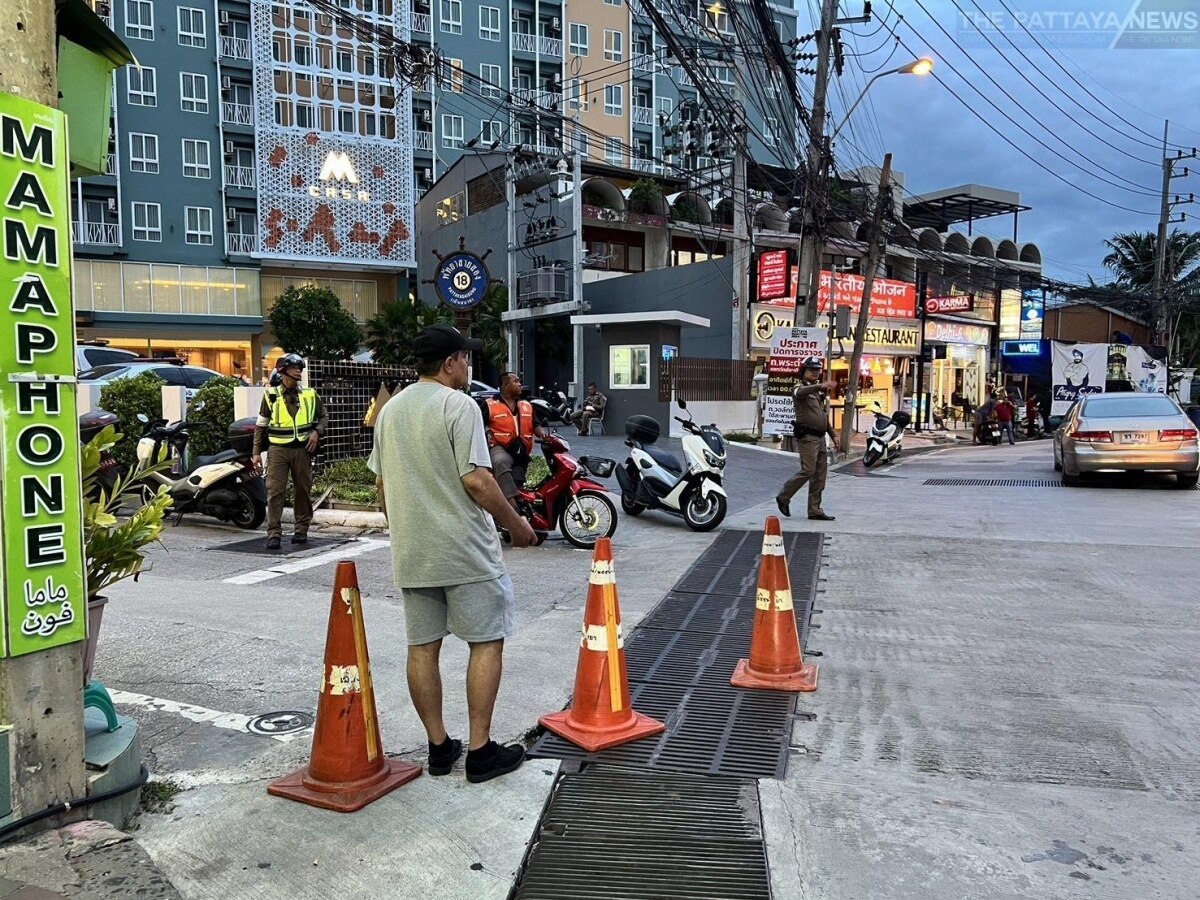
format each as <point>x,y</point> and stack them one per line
<point>231,214</point>
<point>516,72</point>
<point>112,206</point>
<point>426,116</point>
<point>224,17</point>
<point>225,82</point>
<point>229,148</point>
<point>427,174</point>
<point>555,23</point>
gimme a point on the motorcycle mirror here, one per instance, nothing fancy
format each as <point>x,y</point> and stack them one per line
<point>682,404</point>
<point>141,417</point>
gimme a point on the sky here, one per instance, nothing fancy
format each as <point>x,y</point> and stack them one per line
<point>937,142</point>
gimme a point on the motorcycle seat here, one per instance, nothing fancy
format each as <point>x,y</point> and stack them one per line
<point>222,457</point>
<point>665,459</point>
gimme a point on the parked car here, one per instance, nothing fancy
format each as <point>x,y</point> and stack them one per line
<point>89,356</point>
<point>190,377</point>
<point>1127,433</point>
<point>482,391</point>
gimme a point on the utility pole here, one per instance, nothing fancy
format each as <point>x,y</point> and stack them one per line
<point>883,202</point>
<point>578,252</point>
<point>812,244</point>
<point>1162,329</point>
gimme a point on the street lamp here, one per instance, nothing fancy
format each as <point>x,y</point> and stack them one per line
<point>922,66</point>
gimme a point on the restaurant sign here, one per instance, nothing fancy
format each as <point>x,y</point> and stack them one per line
<point>890,299</point>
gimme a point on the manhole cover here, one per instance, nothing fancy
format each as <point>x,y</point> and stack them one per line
<point>284,722</point>
<point>993,482</point>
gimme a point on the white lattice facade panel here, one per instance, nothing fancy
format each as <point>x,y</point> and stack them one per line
<point>333,138</point>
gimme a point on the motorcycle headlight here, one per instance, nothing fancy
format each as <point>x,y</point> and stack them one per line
<point>713,460</point>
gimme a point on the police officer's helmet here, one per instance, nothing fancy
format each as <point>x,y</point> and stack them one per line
<point>288,360</point>
<point>813,364</point>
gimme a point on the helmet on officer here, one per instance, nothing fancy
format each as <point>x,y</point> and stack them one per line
<point>813,364</point>
<point>288,360</point>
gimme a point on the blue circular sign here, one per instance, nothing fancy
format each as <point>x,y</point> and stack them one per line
<point>462,280</point>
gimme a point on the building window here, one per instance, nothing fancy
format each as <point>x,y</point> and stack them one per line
<point>490,76</point>
<point>614,45</point>
<point>614,2</point>
<point>489,23</point>
<point>196,162</point>
<point>454,74</point>
<point>142,91</point>
<point>452,131</point>
<point>193,92</point>
<point>771,132</point>
<point>613,152</point>
<point>302,52</point>
<point>345,61</point>
<point>191,27</point>
<point>147,222</point>
<point>581,142</point>
<point>346,121</point>
<point>143,153</point>
<point>629,367</point>
<point>614,99</point>
<point>306,116</point>
<point>665,106</point>
<point>139,19</point>
<point>452,16</point>
<point>490,131</point>
<point>577,94</point>
<point>579,39</point>
<point>198,225</point>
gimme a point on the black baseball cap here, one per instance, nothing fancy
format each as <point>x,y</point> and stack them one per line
<point>440,341</point>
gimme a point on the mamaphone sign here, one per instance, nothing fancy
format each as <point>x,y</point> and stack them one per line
<point>40,517</point>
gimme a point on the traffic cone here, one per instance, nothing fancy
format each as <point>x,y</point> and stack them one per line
<point>346,769</point>
<point>601,715</point>
<point>775,662</point>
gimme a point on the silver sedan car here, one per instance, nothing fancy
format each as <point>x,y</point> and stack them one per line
<point>1127,433</point>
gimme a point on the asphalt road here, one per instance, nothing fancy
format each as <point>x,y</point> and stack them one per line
<point>1007,702</point>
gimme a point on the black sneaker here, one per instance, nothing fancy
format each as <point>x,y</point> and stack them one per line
<point>442,757</point>
<point>273,543</point>
<point>299,538</point>
<point>491,760</point>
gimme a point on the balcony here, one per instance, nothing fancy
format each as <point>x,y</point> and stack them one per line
<point>240,244</point>
<point>237,113</point>
<point>240,177</point>
<point>235,47</point>
<point>549,150</point>
<point>550,46</point>
<point>535,97</point>
<point>645,63</point>
<point>683,78</point>
<point>425,86</point>
<point>110,164</point>
<point>643,115</point>
<point>524,43</point>
<point>418,23</point>
<point>645,165</point>
<point>423,140</point>
<point>105,234</point>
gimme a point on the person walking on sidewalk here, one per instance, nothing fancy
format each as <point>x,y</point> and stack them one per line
<point>810,429</point>
<point>291,419</point>
<point>432,469</point>
<point>1006,413</point>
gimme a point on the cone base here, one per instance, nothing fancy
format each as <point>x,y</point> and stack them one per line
<point>346,797</point>
<point>591,738</point>
<point>802,680</point>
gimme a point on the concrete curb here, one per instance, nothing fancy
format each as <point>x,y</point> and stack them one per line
<point>344,518</point>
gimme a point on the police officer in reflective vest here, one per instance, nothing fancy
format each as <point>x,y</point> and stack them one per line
<point>510,435</point>
<point>292,419</point>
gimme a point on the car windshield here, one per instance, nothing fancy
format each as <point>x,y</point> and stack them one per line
<point>1129,406</point>
<point>99,356</point>
<point>101,372</point>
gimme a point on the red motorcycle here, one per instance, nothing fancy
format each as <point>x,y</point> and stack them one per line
<point>569,498</point>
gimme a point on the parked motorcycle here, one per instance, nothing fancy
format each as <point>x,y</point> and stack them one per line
<point>551,407</point>
<point>656,479</point>
<point>227,485</point>
<point>989,432</point>
<point>111,471</point>
<point>886,439</point>
<point>569,498</point>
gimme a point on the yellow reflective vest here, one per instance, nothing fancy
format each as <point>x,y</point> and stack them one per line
<point>283,428</point>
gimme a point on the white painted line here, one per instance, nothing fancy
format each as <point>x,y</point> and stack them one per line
<point>357,547</point>
<point>216,718</point>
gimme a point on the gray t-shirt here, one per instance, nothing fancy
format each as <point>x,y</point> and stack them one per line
<point>426,439</point>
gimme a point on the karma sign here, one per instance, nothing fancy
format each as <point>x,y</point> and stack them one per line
<point>40,512</point>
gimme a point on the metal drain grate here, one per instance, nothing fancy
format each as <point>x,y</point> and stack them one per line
<point>613,833</point>
<point>993,482</point>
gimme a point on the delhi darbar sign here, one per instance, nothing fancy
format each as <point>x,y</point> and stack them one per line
<point>40,510</point>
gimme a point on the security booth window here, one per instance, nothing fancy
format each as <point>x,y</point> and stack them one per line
<point>629,367</point>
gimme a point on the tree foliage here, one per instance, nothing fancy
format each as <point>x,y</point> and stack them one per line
<point>212,405</point>
<point>390,334</point>
<point>489,325</point>
<point>125,398</point>
<point>311,321</point>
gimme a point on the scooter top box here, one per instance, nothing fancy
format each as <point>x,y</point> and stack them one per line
<point>642,429</point>
<point>241,434</point>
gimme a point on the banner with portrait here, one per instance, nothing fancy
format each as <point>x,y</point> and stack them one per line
<point>1076,369</point>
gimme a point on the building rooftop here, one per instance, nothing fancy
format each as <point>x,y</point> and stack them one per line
<point>965,203</point>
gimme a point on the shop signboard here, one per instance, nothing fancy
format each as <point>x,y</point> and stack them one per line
<point>1010,315</point>
<point>956,333</point>
<point>887,337</point>
<point>774,278</point>
<point>789,348</point>
<point>1079,369</point>
<point>41,571</point>
<point>1033,309</point>
<point>958,303</point>
<point>765,318</point>
<point>1021,348</point>
<point>889,299</point>
<point>462,280</point>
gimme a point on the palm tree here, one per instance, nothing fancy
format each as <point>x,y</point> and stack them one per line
<point>391,332</point>
<point>1132,256</point>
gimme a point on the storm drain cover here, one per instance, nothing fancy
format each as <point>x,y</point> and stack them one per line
<point>993,482</point>
<point>258,546</point>
<point>614,833</point>
<point>283,722</point>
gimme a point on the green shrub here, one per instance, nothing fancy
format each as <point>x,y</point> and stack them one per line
<point>125,398</point>
<point>217,414</point>
<point>351,480</point>
<point>645,196</point>
<point>741,437</point>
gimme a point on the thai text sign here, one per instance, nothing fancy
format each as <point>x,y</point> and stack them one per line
<point>889,299</point>
<point>40,517</point>
<point>773,277</point>
<point>790,347</point>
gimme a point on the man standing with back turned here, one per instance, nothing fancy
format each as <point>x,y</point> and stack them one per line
<point>433,472</point>
<point>811,427</point>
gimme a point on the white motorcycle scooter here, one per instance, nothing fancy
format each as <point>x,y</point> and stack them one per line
<point>886,439</point>
<point>655,479</point>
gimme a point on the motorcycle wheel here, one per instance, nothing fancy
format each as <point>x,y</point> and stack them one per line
<point>631,506</point>
<point>704,514</point>
<point>250,512</point>
<point>587,517</point>
<point>871,457</point>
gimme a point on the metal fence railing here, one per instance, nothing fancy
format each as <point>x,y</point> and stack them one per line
<point>347,390</point>
<point>705,379</point>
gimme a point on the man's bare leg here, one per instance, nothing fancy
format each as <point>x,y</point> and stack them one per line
<point>425,688</point>
<point>483,683</point>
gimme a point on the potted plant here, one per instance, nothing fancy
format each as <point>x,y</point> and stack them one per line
<point>113,544</point>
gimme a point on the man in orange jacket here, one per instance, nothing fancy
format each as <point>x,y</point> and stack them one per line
<point>511,431</point>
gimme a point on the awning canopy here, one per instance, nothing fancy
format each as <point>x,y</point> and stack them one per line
<point>657,317</point>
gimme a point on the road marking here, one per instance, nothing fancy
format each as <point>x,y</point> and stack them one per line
<point>214,717</point>
<point>357,548</point>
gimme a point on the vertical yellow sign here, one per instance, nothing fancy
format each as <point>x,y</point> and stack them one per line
<point>45,599</point>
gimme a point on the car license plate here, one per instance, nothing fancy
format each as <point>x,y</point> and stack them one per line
<point>1135,437</point>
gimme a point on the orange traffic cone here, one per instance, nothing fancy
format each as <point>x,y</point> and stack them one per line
<point>601,715</point>
<point>775,661</point>
<point>346,769</point>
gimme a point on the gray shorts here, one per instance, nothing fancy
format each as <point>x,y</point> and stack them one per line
<point>476,613</point>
